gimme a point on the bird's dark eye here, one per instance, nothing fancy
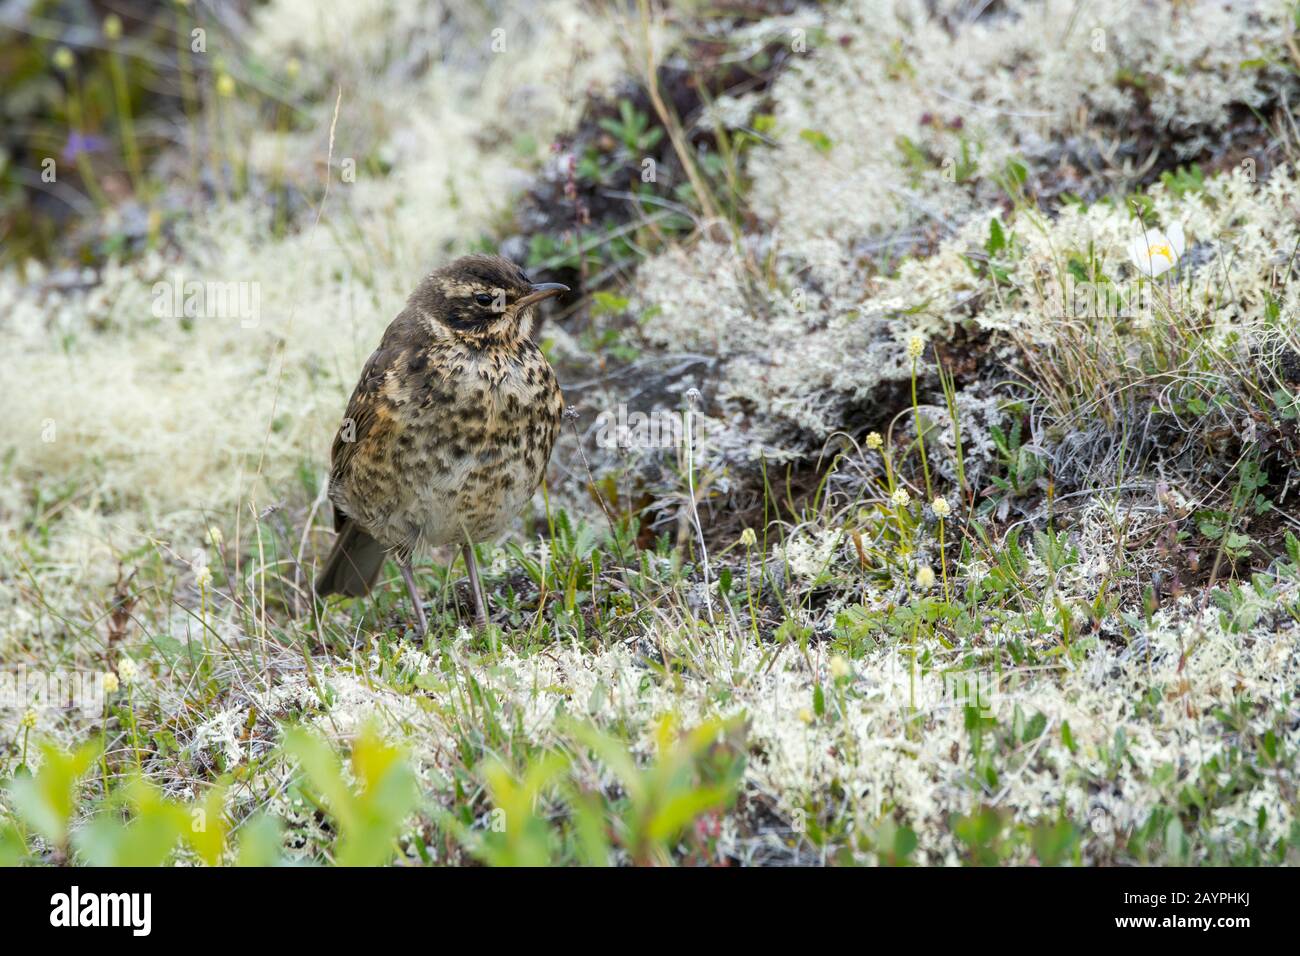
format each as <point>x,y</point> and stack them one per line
<point>484,298</point>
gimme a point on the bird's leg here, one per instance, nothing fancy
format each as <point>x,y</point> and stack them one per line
<point>480,605</point>
<point>422,623</point>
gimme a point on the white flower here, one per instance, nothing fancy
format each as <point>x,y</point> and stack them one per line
<point>925,577</point>
<point>28,721</point>
<point>874,441</point>
<point>110,683</point>
<point>748,538</point>
<point>414,659</point>
<point>127,670</point>
<point>915,346</point>
<point>941,507</point>
<point>203,577</point>
<point>901,498</point>
<point>1155,252</point>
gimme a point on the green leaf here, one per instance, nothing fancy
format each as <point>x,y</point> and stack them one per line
<point>260,841</point>
<point>370,816</point>
<point>149,839</point>
<point>1035,727</point>
<point>47,800</point>
<point>997,240</point>
<point>207,829</point>
<point>819,140</point>
<point>1067,737</point>
<point>1269,745</point>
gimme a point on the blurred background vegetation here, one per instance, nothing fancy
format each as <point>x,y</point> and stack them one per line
<point>120,118</point>
<point>112,122</point>
<point>145,135</point>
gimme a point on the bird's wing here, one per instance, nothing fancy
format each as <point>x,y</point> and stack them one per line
<point>366,407</point>
<point>389,381</point>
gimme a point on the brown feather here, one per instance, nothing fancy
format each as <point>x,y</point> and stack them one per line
<point>450,427</point>
<point>353,564</point>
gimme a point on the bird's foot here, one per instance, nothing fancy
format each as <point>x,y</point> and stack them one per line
<point>421,621</point>
<point>480,602</point>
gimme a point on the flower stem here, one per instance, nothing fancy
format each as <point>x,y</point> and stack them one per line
<point>82,157</point>
<point>125,122</point>
<point>943,565</point>
<point>920,436</point>
<point>135,736</point>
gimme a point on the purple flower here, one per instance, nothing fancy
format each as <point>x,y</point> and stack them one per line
<point>79,142</point>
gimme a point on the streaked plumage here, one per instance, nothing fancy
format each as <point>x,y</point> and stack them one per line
<point>449,430</point>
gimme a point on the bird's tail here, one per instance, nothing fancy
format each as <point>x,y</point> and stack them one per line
<point>354,563</point>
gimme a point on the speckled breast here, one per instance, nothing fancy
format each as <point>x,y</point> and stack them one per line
<point>476,451</point>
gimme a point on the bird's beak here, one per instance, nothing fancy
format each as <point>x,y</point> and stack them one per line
<point>541,290</point>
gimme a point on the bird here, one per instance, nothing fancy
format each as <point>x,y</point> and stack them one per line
<point>448,432</point>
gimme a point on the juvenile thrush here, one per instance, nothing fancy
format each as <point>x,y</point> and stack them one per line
<point>448,432</point>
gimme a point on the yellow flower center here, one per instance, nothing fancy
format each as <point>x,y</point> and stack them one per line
<point>1161,249</point>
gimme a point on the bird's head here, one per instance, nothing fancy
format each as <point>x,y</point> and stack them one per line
<point>483,299</point>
